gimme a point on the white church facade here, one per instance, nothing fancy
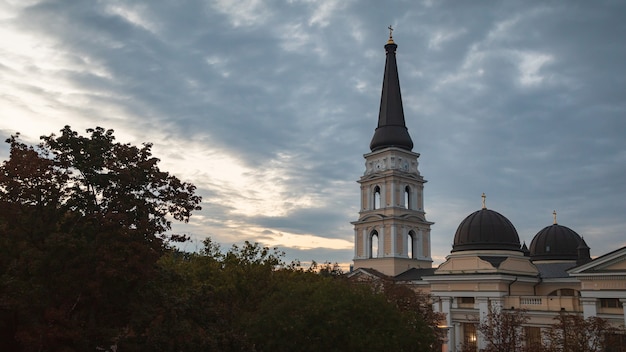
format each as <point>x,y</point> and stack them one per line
<point>487,267</point>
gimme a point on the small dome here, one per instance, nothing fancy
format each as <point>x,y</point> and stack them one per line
<point>555,242</point>
<point>486,229</point>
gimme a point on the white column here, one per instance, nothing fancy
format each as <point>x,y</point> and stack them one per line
<point>383,196</point>
<point>445,308</point>
<point>418,249</point>
<point>436,305</point>
<point>367,249</point>
<point>446,304</point>
<point>426,240</point>
<point>420,198</point>
<point>457,337</point>
<point>483,309</point>
<point>381,242</point>
<point>364,197</point>
<point>394,237</point>
<point>405,241</point>
<point>623,300</point>
<point>414,246</point>
<point>356,243</point>
<point>590,307</point>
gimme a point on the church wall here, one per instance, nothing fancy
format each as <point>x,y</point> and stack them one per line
<point>400,239</point>
<point>521,289</point>
<point>618,266</point>
<point>469,288</point>
<point>388,240</point>
<point>365,195</point>
<point>426,244</point>
<point>604,283</point>
<point>544,303</point>
<point>360,243</point>
<point>546,288</point>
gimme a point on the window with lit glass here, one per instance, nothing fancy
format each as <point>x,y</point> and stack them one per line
<point>469,337</point>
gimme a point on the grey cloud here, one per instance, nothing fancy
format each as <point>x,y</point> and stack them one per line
<point>277,84</point>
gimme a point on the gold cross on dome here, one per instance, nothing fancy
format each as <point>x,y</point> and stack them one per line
<point>484,201</point>
<point>554,215</point>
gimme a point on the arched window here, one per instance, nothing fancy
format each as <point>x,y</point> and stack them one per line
<point>407,197</point>
<point>410,241</point>
<point>376,197</point>
<point>374,244</point>
<point>564,292</point>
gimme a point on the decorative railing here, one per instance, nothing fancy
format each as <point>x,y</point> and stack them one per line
<point>544,303</point>
<point>534,301</point>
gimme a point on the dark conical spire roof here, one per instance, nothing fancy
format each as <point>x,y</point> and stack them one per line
<point>391,130</point>
<point>525,250</point>
<point>584,255</point>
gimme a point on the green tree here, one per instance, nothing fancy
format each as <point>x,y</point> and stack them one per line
<point>247,299</point>
<point>418,308</point>
<point>83,221</point>
<point>203,300</point>
<point>317,313</point>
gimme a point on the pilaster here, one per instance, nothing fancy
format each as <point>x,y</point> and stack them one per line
<point>623,300</point>
<point>590,306</point>
<point>482,303</point>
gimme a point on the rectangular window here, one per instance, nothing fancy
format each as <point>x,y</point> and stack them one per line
<point>466,300</point>
<point>533,338</point>
<point>610,303</point>
<point>469,337</point>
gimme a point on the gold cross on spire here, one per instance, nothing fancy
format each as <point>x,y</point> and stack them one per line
<point>390,41</point>
<point>484,199</point>
<point>554,215</point>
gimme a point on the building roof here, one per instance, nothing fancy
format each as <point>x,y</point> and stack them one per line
<point>554,270</point>
<point>486,229</point>
<point>555,242</point>
<point>391,130</point>
<point>415,274</point>
<point>367,273</point>
<point>607,264</point>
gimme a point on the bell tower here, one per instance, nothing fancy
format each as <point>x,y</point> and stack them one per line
<point>392,234</point>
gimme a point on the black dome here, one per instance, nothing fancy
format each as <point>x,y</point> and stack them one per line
<point>555,242</point>
<point>486,229</point>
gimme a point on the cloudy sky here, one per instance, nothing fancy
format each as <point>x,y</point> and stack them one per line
<point>269,106</point>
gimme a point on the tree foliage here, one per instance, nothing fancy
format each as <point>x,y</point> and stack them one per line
<point>573,333</point>
<point>248,299</point>
<point>502,330</point>
<point>81,226</point>
<point>86,263</point>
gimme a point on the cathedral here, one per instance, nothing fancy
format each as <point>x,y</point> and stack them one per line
<point>487,267</point>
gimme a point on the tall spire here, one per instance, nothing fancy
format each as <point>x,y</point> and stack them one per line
<point>391,130</point>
